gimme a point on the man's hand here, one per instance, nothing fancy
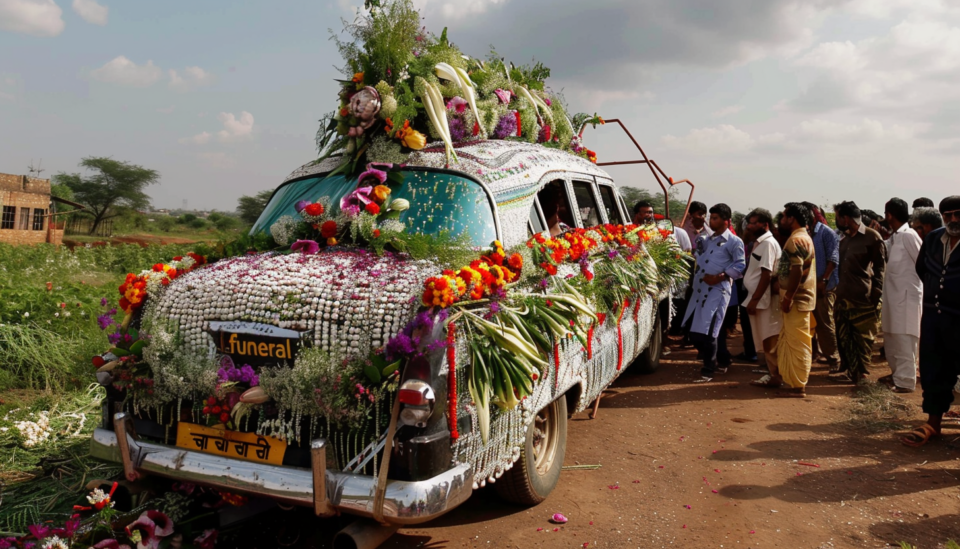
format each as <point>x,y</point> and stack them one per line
<point>821,287</point>
<point>752,307</point>
<point>786,303</point>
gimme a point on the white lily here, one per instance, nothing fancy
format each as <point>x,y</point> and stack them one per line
<point>462,80</point>
<point>437,112</point>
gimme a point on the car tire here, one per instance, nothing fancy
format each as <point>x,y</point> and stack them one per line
<point>649,359</point>
<point>537,472</point>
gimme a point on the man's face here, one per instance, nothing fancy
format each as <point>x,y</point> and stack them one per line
<point>644,216</point>
<point>755,228</point>
<point>717,223</point>
<point>786,225</point>
<point>921,229</point>
<point>888,219</point>
<point>698,218</point>
<point>951,220</point>
<point>843,223</point>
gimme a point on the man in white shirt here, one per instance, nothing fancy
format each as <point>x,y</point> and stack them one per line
<point>764,310</point>
<point>902,298</point>
<point>643,215</point>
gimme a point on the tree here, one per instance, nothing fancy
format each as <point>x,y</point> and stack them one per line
<point>632,195</point>
<point>114,187</point>
<point>249,208</point>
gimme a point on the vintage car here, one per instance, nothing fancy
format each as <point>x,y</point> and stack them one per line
<point>426,443</point>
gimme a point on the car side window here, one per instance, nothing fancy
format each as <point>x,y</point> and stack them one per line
<point>586,203</point>
<point>609,197</point>
<point>555,205</point>
<point>536,224</point>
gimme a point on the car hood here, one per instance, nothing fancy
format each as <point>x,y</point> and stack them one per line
<point>347,302</point>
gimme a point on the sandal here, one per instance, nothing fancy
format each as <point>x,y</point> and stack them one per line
<point>722,369</point>
<point>919,436</point>
<point>766,381</point>
<point>952,414</point>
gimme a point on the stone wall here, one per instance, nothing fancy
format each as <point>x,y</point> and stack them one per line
<point>21,191</point>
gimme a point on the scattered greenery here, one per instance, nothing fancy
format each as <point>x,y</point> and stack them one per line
<point>113,187</point>
<point>877,409</point>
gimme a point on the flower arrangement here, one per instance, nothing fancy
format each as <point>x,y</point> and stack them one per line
<point>482,278</point>
<point>404,86</point>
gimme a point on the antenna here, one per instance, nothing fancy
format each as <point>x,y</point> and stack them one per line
<point>38,170</point>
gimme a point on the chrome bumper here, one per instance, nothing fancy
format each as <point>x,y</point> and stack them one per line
<point>328,492</point>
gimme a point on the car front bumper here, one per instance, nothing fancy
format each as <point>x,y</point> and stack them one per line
<point>328,492</point>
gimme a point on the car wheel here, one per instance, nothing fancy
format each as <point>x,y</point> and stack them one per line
<point>649,359</point>
<point>537,472</point>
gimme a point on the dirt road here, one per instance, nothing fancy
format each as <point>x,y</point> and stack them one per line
<point>718,465</point>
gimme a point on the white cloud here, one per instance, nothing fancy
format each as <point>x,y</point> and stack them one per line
<point>36,17</point>
<point>201,138</point>
<point>727,111</point>
<point>456,10</point>
<point>721,139</point>
<point>866,131</point>
<point>192,77</point>
<point>125,72</point>
<point>91,12</point>
<point>235,129</point>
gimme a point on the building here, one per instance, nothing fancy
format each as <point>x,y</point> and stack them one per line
<point>26,211</point>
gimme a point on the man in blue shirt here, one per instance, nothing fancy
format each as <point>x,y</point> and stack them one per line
<point>826,244</point>
<point>720,261</point>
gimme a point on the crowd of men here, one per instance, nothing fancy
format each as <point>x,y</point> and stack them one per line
<point>805,292</point>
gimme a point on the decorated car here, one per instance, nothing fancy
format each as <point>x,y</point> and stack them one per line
<point>415,314</point>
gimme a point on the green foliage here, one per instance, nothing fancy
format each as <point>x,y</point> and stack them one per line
<point>114,187</point>
<point>198,223</point>
<point>186,218</point>
<point>383,39</point>
<point>48,336</point>
<point>249,208</point>
<point>165,223</point>
<point>632,195</point>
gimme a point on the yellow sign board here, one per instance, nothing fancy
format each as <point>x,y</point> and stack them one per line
<point>232,444</point>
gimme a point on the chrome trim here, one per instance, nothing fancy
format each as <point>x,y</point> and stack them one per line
<point>318,462</point>
<point>404,502</point>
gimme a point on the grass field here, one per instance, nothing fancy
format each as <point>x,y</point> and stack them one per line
<point>49,302</point>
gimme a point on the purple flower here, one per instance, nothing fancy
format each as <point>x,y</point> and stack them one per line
<point>306,247</point>
<point>612,254</point>
<point>401,345</point>
<point>114,338</point>
<point>544,283</point>
<point>506,126</point>
<point>103,302</point>
<point>105,321</point>
<point>301,205</point>
<point>458,130</point>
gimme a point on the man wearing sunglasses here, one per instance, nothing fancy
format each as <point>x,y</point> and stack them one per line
<point>938,265</point>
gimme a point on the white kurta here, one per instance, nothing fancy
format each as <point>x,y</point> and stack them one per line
<point>902,289</point>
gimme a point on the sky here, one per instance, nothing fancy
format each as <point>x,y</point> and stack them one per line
<point>758,102</point>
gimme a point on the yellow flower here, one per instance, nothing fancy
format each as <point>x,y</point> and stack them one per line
<point>380,193</point>
<point>331,241</point>
<point>411,138</point>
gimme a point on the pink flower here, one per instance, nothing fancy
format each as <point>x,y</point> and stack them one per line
<point>373,173</point>
<point>206,540</point>
<point>457,104</point>
<point>153,526</point>
<point>558,518</point>
<point>503,95</point>
<point>356,201</point>
<point>306,247</point>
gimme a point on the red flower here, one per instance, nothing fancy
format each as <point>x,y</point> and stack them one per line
<point>314,210</point>
<point>224,417</point>
<point>328,229</point>
<point>372,208</point>
<point>517,114</point>
<point>158,267</point>
<point>515,262</point>
<point>376,233</point>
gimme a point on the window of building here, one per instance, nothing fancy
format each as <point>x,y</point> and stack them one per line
<point>38,215</point>
<point>609,198</point>
<point>9,217</point>
<point>586,203</point>
<point>24,224</point>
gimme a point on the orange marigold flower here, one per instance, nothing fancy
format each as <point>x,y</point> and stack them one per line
<point>515,262</point>
<point>358,78</point>
<point>380,193</point>
<point>331,241</point>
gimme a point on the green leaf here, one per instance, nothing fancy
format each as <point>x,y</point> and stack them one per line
<point>137,348</point>
<point>390,368</point>
<point>117,351</point>
<point>372,373</point>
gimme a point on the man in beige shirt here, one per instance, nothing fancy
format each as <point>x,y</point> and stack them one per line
<point>798,299</point>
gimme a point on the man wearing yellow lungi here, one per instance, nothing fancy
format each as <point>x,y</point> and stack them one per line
<point>798,299</point>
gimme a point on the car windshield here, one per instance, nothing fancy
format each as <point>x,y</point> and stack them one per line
<point>439,201</point>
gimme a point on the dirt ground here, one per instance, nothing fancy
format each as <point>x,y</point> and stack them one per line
<point>722,465</point>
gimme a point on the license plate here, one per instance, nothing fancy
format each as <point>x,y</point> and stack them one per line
<point>232,444</point>
<point>255,343</point>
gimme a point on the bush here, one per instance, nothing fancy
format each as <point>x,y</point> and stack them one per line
<point>198,223</point>
<point>165,223</point>
<point>186,219</point>
<point>226,223</point>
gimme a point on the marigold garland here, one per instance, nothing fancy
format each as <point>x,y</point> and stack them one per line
<point>483,277</point>
<point>452,381</point>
